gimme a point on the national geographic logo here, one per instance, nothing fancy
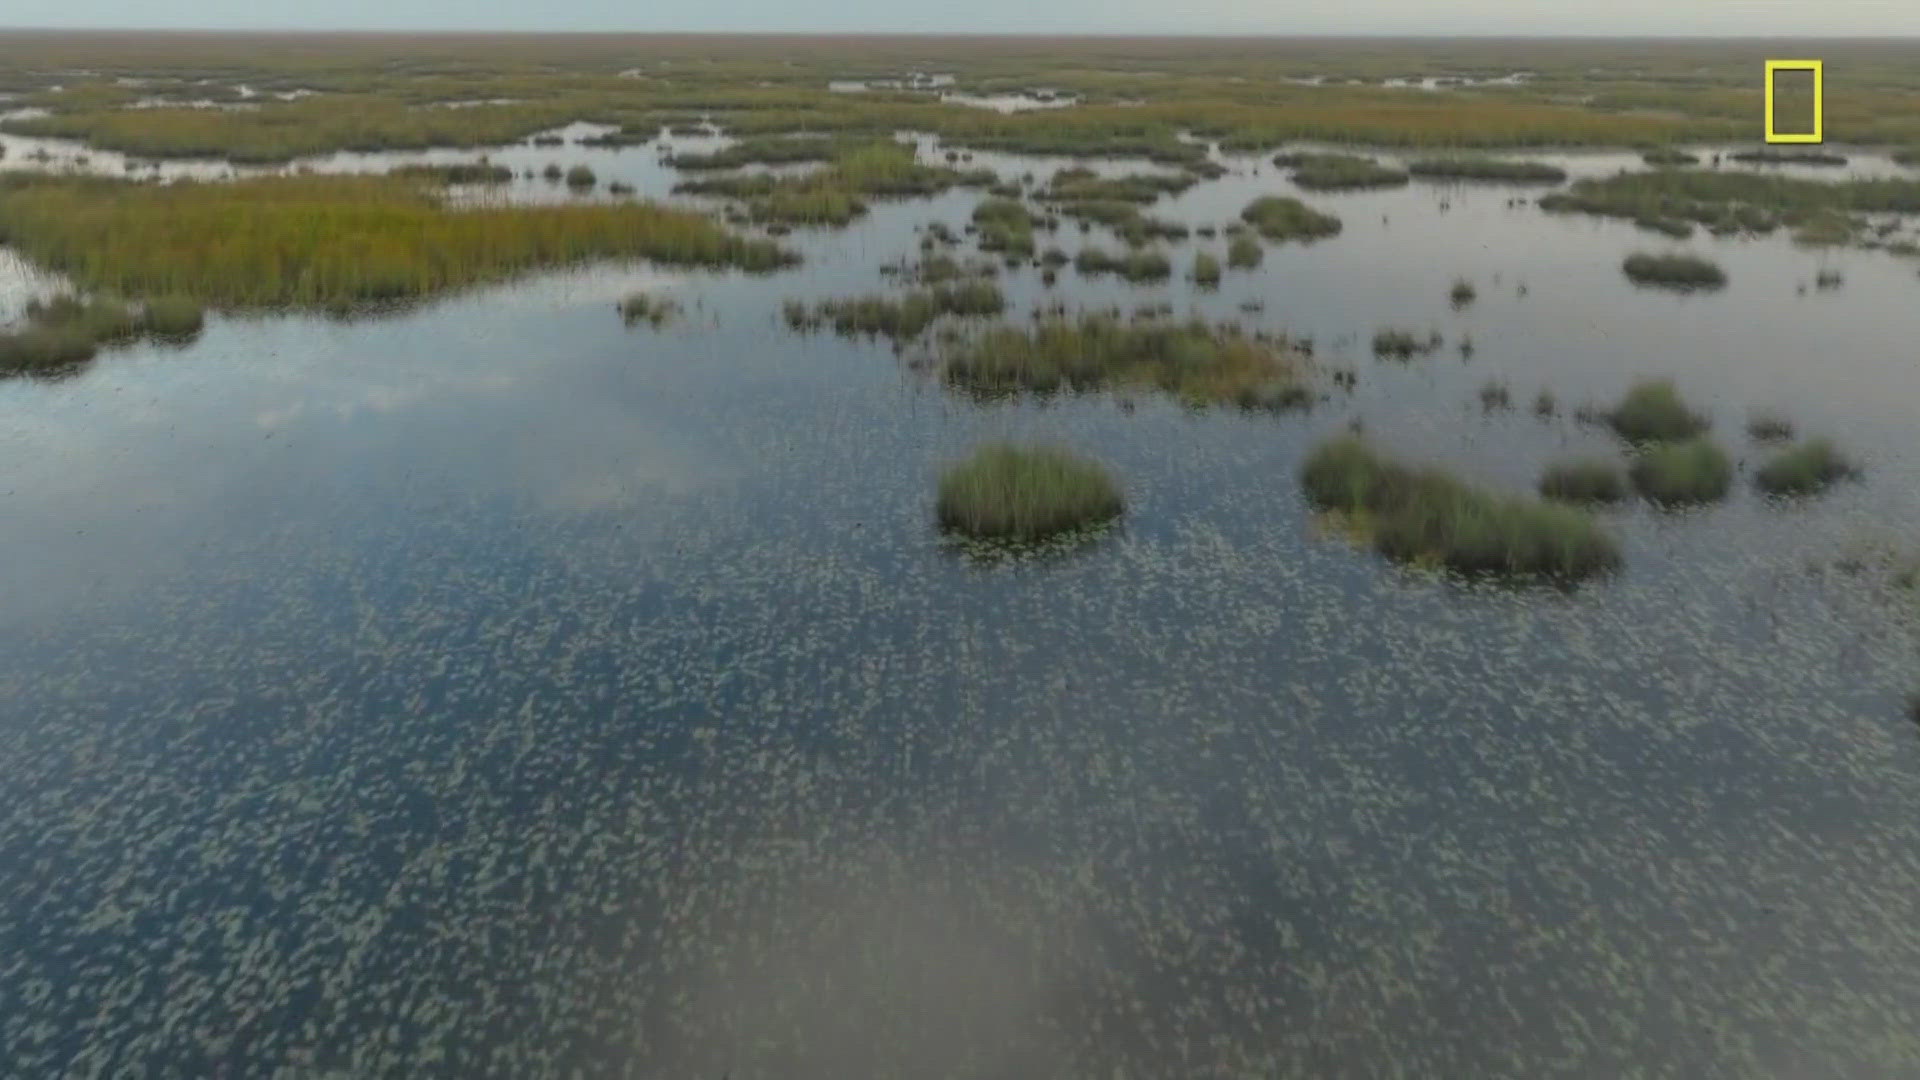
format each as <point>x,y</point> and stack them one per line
<point>1796,125</point>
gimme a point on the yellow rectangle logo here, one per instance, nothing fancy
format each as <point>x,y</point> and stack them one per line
<point>1819,110</point>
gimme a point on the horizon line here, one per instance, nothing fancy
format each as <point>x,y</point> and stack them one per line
<point>1222,35</point>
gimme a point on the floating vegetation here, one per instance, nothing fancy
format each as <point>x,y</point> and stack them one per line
<point>1005,491</point>
<point>330,239</point>
<point>1005,226</point>
<point>1339,172</point>
<point>1810,467</point>
<point>1405,344</point>
<point>459,172</point>
<point>1135,266</point>
<point>1423,515</point>
<point>1244,252</point>
<point>1681,473</point>
<point>645,307</point>
<point>1462,294</point>
<point>1281,217</point>
<point>1195,361</point>
<point>898,317</point>
<point>581,177</point>
<point>1653,411</point>
<point>1487,168</point>
<point>1684,273</point>
<point>1206,270</point>
<point>1584,480</point>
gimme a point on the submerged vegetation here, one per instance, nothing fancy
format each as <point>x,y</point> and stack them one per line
<point>1281,217</point>
<point>1006,491</point>
<point>1427,515</point>
<point>1686,273</point>
<point>1810,467</point>
<point>318,240</point>
<point>1195,361</point>
<point>1681,473</point>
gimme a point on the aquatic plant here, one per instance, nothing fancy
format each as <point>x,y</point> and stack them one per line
<point>1281,217</point>
<point>1462,293</point>
<point>1244,252</point>
<point>905,316</point>
<point>325,240</point>
<point>1653,411</point>
<point>1196,361</point>
<point>1487,168</point>
<point>1677,271</point>
<point>645,307</point>
<point>1404,344</point>
<point>581,177</point>
<point>1495,395</point>
<point>458,172</point>
<point>1005,226</point>
<point>1774,155</point>
<point>1206,270</point>
<point>1810,467</point>
<point>1339,172</point>
<point>173,317</point>
<point>1012,492</point>
<point>1134,266</point>
<point>1428,515</point>
<point>1667,156</point>
<point>1545,404</point>
<point>1733,201</point>
<point>1078,184</point>
<point>1584,480</point>
<point>1769,427</point>
<point>1680,473</point>
<point>1666,226</point>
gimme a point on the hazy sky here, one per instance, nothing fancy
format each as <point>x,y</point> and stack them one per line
<point>1745,18</point>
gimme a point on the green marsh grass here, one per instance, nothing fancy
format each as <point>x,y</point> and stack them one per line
<point>1682,473</point>
<point>1806,469</point>
<point>1339,172</point>
<point>1138,267</point>
<point>1206,270</point>
<point>173,318</point>
<point>1404,344</point>
<point>1005,226</point>
<point>1685,273</point>
<point>1244,252</point>
<point>326,240</point>
<point>1198,362</point>
<point>1426,515</point>
<point>1078,184</point>
<point>1668,157</point>
<point>1281,217</point>
<point>1769,427</point>
<point>1005,491</point>
<point>1653,411</point>
<point>1462,294</point>
<point>1499,170</point>
<point>1729,202</point>
<point>1584,480</point>
<point>900,317</point>
<point>639,307</point>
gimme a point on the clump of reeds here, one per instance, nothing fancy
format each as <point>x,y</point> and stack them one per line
<point>1679,473</point>
<point>1676,271</point>
<point>1653,411</point>
<point>1010,492</point>
<point>1587,480</point>
<point>1806,469</point>
<point>1426,514</point>
<point>1281,217</point>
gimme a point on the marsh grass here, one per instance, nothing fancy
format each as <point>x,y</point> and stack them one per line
<point>1426,515</point>
<point>1339,172</point>
<point>1729,202</point>
<point>173,318</point>
<point>1500,170</point>
<point>1006,491</point>
<point>1138,267</point>
<point>1404,344</point>
<point>1773,155</point>
<point>1244,252</point>
<point>1462,294</point>
<point>63,331</point>
<point>1668,157</point>
<point>1584,480</point>
<point>1494,396</point>
<point>1682,473</point>
<point>1769,427</point>
<point>1199,363</point>
<point>645,307</point>
<point>1546,405</point>
<point>1653,411</point>
<point>1281,218</point>
<point>1079,184</point>
<point>331,240</point>
<point>1005,226</point>
<point>1806,469</point>
<point>1206,270</point>
<point>581,177</point>
<point>459,172</point>
<point>899,317</point>
<point>1685,273</point>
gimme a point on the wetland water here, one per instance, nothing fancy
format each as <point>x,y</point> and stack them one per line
<point>492,689</point>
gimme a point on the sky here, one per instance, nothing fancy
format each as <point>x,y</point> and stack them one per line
<point>1743,18</point>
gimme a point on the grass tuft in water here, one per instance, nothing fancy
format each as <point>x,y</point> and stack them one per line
<point>1404,344</point>
<point>1462,294</point>
<point>645,307</point>
<point>1653,411</point>
<point>1806,469</point>
<point>1206,270</point>
<point>1244,252</point>
<point>1281,218</point>
<point>1428,515</point>
<point>1682,473</point>
<point>899,317</point>
<point>1584,480</point>
<point>173,318</point>
<point>1486,168</point>
<point>1339,172</point>
<point>1683,272</point>
<point>1011,492</point>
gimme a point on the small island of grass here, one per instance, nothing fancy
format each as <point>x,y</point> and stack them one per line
<point>1685,273</point>
<point>1682,473</point>
<point>1005,491</point>
<point>1806,469</point>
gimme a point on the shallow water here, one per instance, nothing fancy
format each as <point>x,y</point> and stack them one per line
<point>490,689</point>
